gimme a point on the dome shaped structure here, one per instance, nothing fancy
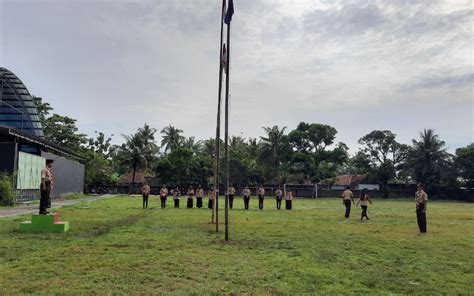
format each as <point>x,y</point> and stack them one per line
<point>17,108</point>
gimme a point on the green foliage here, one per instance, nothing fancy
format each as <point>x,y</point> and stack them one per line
<point>429,159</point>
<point>464,162</point>
<point>384,155</point>
<point>6,190</point>
<point>172,138</point>
<point>311,250</point>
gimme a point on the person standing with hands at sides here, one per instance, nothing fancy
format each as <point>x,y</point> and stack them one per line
<point>246,193</point>
<point>231,192</point>
<point>289,200</point>
<point>347,197</point>
<point>421,199</point>
<point>199,196</point>
<point>176,195</point>
<point>46,187</point>
<point>145,195</point>
<point>364,201</point>
<point>163,196</point>
<point>212,194</point>
<point>261,196</point>
<point>190,197</point>
<point>279,197</point>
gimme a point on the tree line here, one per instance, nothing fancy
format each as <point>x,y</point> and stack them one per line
<point>308,153</point>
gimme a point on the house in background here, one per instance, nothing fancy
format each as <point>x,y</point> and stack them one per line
<point>355,182</point>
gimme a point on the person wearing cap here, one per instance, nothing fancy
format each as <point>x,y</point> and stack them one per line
<point>231,192</point>
<point>199,196</point>
<point>145,195</point>
<point>279,197</point>
<point>212,194</point>
<point>176,195</point>
<point>46,187</point>
<point>163,196</point>
<point>289,200</point>
<point>261,197</point>
<point>421,199</point>
<point>347,197</point>
<point>190,197</point>
<point>246,193</point>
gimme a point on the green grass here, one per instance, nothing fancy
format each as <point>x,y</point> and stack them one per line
<point>114,246</point>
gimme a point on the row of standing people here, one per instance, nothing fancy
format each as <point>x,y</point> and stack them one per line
<point>421,200</point>
<point>199,193</point>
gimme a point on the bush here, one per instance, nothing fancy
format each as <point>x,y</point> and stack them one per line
<point>6,190</point>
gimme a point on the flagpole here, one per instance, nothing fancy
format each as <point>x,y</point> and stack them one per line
<point>227,79</point>
<point>218,128</point>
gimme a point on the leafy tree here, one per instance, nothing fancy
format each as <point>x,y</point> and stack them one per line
<point>312,137</point>
<point>100,144</point>
<point>172,138</point>
<point>464,162</point>
<point>428,158</point>
<point>192,144</point>
<point>138,152</point>
<point>43,108</point>
<point>271,147</point>
<point>385,155</point>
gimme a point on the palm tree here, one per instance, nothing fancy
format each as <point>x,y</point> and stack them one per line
<point>428,157</point>
<point>270,146</point>
<point>147,134</point>
<point>136,153</point>
<point>192,144</point>
<point>172,138</point>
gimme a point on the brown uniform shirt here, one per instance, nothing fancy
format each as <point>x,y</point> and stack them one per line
<point>421,196</point>
<point>364,201</point>
<point>278,193</point>
<point>212,194</point>
<point>200,192</point>
<point>176,194</point>
<point>261,191</point>
<point>347,194</point>
<point>231,190</point>
<point>190,193</point>
<point>146,189</point>
<point>246,192</point>
<point>289,196</point>
<point>47,176</point>
<point>164,191</point>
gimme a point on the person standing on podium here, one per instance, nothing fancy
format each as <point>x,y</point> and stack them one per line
<point>46,187</point>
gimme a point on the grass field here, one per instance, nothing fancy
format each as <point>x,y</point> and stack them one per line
<point>114,246</point>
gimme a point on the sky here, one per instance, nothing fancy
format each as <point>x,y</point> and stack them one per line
<point>401,65</point>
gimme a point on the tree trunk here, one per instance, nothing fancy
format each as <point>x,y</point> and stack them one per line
<point>133,178</point>
<point>385,190</point>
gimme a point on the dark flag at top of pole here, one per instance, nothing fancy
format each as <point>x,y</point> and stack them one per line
<point>229,13</point>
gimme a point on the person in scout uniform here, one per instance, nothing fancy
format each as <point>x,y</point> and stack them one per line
<point>289,200</point>
<point>212,194</point>
<point>190,197</point>
<point>176,195</point>
<point>347,197</point>
<point>163,196</point>
<point>279,197</point>
<point>261,196</point>
<point>145,195</point>
<point>364,201</point>
<point>199,196</point>
<point>421,199</point>
<point>46,187</point>
<point>231,192</point>
<point>246,193</point>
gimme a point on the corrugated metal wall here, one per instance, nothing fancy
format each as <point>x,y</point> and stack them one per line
<point>68,175</point>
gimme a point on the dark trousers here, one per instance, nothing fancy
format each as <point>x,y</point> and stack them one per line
<point>260,201</point>
<point>190,203</point>
<point>231,201</point>
<point>278,199</point>
<point>421,217</point>
<point>45,201</point>
<point>364,212</point>
<point>176,203</point>
<point>210,204</point>
<point>199,202</point>
<point>145,200</point>
<point>288,204</point>
<point>246,202</point>
<point>347,203</point>
<point>163,201</point>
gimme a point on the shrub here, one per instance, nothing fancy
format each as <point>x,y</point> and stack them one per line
<point>6,190</point>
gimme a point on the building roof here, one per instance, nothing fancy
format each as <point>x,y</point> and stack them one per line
<point>39,141</point>
<point>17,108</point>
<point>139,178</point>
<point>348,180</point>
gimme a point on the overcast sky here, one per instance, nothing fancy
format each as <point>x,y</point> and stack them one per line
<point>356,65</point>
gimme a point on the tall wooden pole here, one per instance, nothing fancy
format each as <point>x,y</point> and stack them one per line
<point>215,210</point>
<point>227,78</point>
